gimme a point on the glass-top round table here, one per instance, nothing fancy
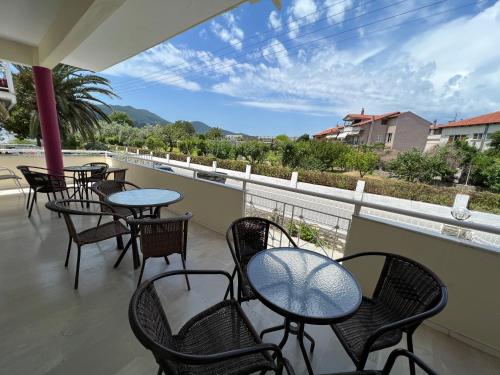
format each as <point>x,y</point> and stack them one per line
<point>82,168</point>
<point>304,287</point>
<point>144,198</point>
<point>139,200</point>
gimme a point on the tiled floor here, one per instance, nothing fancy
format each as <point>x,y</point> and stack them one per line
<point>46,327</point>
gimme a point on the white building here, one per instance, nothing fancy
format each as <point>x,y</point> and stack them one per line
<point>475,130</point>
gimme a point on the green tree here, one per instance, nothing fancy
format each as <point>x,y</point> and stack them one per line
<point>282,138</point>
<point>329,155</point>
<point>155,143</point>
<point>121,118</point>
<point>254,152</point>
<point>187,146</point>
<point>214,134</point>
<point>486,171</point>
<point>292,153</point>
<point>220,149</point>
<point>362,160</point>
<point>303,137</point>
<point>77,106</point>
<point>495,141</point>
<point>202,147</point>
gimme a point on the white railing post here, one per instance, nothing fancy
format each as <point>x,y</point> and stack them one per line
<point>358,196</point>
<point>137,151</point>
<point>214,165</point>
<point>294,179</point>
<point>168,158</point>
<point>188,161</point>
<point>248,171</point>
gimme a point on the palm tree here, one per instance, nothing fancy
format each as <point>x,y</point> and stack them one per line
<point>78,109</point>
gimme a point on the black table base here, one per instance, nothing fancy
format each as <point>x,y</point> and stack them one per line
<point>297,329</point>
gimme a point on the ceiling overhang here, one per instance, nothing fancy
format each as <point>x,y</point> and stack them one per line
<point>96,34</point>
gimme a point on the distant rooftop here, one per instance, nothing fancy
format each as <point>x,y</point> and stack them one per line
<point>490,118</point>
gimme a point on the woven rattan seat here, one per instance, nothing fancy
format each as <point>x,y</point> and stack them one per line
<point>100,232</point>
<point>406,294</point>
<point>246,237</point>
<point>219,340</point>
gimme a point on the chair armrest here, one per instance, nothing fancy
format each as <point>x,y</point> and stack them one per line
<point>366,253</point>
<point>412,357</point>
<point>193,272</point>
<point>223,356</point>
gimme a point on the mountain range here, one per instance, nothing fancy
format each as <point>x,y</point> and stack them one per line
<point>143,117</point>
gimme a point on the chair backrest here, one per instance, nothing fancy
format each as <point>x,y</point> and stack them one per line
<point>28,175</point>
<point>99,173</point>
<point>249,235</point>
<point>105,188</point>
<point>161,237</point>
<point>119,174</point>
<point>408,287</point>
<point>150,325</point>
<point>77,207</point>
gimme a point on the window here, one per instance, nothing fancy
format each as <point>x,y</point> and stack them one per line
<point>456,137</point>
<point>389,137</point>
<point>477,136</point>
<point>379,138</point>
<point>385,122</point>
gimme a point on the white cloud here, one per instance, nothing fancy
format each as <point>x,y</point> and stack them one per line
<point>275,21</point>
<point>453,67</point>
<point>337,10</point>
<point>301,12</point>
<point>230,33</point>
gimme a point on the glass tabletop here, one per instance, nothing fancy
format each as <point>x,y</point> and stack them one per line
<point>303,285</point>
<point>144,198</point>
<point>82,168</point>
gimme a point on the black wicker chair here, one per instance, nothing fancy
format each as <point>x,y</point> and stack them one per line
<point>42,180</point>
<point>99,174</point>
<point>105,188</point>
<point>161,238</point>
<point>390,364</point>
<point>219,340</point>
<point>246,237</point>
<point>406,294</point>
<point>101,232</point>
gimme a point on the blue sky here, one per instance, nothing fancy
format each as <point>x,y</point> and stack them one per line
<point>264,71</point>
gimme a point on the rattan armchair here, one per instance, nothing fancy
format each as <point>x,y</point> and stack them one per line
<point>103,231</point>
<point>390,364</point>
<point>105,188</point>
<point>219,340</point>
<point>41,180</point>
<point>160,238</point>
<point>406,294</point>
<point>246,237</point>
<point>86,180</point>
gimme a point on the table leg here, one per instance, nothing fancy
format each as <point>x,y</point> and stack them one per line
<point>300,337</point>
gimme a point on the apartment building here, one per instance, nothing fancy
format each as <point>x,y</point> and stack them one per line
<point>475,130</point>
<point>395,130</point>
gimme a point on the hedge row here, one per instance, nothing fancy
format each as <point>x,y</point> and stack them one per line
<point>479,201</point>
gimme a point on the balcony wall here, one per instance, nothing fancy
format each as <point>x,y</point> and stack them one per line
<point>213,205</point>
<point>37,160</point>
<point>470,273</point>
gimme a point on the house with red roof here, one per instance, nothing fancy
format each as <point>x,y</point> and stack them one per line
<point>475,130</point>
<point>395,130</point>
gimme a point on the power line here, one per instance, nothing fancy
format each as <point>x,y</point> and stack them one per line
<point>148,84</point>
<point>180,67</point>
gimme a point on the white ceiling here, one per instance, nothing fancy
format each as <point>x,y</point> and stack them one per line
<point>36,15</point>
<point>95,34</point>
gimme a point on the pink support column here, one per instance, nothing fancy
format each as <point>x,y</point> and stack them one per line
<point>47,113</point>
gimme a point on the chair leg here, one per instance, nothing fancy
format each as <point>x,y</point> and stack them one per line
<point>67,253</point>
<point>409,341</point>
<point>229,286</point>
<point>166,260</point>
<point>77,266</point>
<point>183,258</point>
<point>142,271</point>
<point>124,251</point>
<point>33,200</point>
<point>29,197</point>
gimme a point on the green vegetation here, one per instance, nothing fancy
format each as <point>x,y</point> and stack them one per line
<point>77,106</point>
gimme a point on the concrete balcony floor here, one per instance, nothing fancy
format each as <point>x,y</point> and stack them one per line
<point>48,328</point>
